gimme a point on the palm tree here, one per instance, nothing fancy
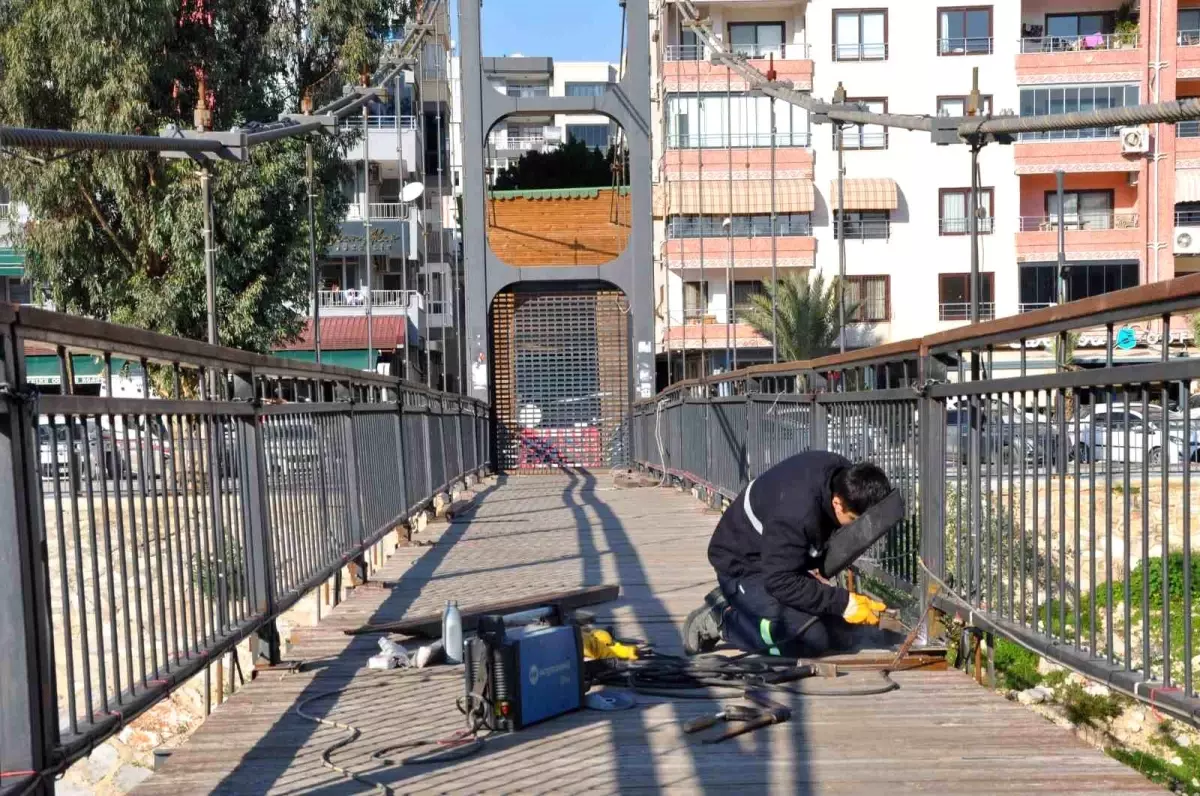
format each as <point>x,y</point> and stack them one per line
<point>807,310</point>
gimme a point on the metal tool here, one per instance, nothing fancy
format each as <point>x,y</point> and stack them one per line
<point>767,713</point>
<point>730,713</point>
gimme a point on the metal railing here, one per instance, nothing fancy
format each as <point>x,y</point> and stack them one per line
<point>1048,503</point>
<point>961,311</point>
<point>1187,218</point>
<point>1189,129</point>
<point>147,536</point>
<point>863,138</point>
<point>1188,38</point>
<point>1066,44</point>
<point>379,123</point>
<point>380,211</point>
<point>379,298</point>
<point>786,138</point>
<point>965,45</point>
<point>1082,134</point>
<point>866,229</point>
<point>780,52</point>
<point>962,225</point>
<point>691,228</point>
<point>1030,306</point>
<point>860,52</point>
<point>1088,220</point>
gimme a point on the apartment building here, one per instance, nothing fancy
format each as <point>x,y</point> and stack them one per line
<point>412,287</point>
<point>524,76</point>
<point>1131,205</point>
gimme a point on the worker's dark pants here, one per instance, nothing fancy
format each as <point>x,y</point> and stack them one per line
<point>757,622</point>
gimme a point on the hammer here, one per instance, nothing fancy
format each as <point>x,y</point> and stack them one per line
<point>771,712</point>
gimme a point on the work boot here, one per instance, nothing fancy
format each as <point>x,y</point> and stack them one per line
<point>702,629</point>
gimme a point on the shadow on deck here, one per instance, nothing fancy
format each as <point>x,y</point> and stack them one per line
<point>938,732</point>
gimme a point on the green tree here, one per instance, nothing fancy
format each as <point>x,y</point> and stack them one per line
<point>572,165</point>
<point>807,309</point>
<point>117,235</point>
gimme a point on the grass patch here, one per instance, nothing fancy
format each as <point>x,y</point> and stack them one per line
<point>1181,777</point>
<point>1016,666</point>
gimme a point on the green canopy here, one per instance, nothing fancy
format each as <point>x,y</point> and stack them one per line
<point>88,369</point>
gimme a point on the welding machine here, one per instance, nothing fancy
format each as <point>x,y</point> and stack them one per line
<point>517,677</point>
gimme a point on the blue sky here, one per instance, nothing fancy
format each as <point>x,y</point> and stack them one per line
<point>566,30</point>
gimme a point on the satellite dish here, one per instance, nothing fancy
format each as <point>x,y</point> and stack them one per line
<point>412,192</point>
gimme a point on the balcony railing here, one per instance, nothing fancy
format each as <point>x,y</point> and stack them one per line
<point>1187,218</point>
<point>1188,38</point>
<point>795,138</point>
<point>860,52</point>
<point>969,45</point>
<point>1098,220</point>
<point>378,298</point>
<point>523,143</point>
<point>695,229</point>
<point>380,211</point>
<point>869,229</point>
<point>1066,44</point>
<point>855,138</point>
<point>780,52</point>
<point>354,122</point>
<point>1188,129</point>
<point>962,226</point>
<point>1030,306</point>
<point>1086,134</point>
<point>961,311</point>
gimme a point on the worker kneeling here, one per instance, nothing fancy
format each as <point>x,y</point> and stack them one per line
<point>768,549</point>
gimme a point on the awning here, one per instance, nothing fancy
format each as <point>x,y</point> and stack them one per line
<point>12,262</point>
<point>866,194</point>
<point>349,333</point>
<point>355,359</point>
<point>1187,185</point>
<point>749,197</point>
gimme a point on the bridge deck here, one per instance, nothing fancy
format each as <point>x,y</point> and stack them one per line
<point>938,733</point>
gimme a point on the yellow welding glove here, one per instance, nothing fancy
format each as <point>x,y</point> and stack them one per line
<point>600,644</point>
<point>863,610</point>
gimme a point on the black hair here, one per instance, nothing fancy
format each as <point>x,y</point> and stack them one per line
<point>861,486</point>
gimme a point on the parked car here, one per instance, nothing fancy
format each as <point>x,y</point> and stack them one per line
<point>1003,438</point>
<point>290,444</point>
<point>54,447</point>
<point>1133,433</point>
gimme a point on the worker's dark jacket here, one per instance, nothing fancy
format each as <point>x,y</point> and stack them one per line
<point>778,527</point>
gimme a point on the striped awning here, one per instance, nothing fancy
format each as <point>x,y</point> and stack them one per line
<point>747,197</point>
<point>1187,185</point>
<point>867,194</point>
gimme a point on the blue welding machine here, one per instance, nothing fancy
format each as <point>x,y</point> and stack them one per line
<point>518,677</point>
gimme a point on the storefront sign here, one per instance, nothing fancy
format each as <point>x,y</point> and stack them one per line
<point>387,238</point>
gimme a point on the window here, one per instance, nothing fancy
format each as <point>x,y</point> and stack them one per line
<point>954,297</point>
<point>864,225</point>
<point>1072,26</point>
<point>865,136</point>
<point>741,226</point>
<point>695,299</point>
<point>957,105</point>
<point>1068,99</point>
<point>717,121</point>
<point>18,292</point>
<point>860,35</point>
<point>1187,214</point>
<point>953,217</point>
<point>1081,209</point>
<point>965,31</point>
<point>1189,27</point>
<point>868,299</point>
<point>593,135</point>
<point>1038,286</point>
<point>756,39</point>
<point>527,90</point>
<point>743,295</point>
<point>5,201</point>
<point>585,89</point>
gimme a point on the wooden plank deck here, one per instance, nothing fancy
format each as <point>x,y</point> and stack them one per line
<point>938,733</point>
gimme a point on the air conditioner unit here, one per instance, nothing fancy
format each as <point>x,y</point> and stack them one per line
<point>1187,241</point>
<point>1135,140</point>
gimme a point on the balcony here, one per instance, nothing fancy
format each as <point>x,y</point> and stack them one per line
<point>383,303</point>
<point>969,45</point>
<point>950,227</point>
<point>1079,151</point>
<point>688,67</point>
<point>1187,55</point>
<point>382,132</point>
<point>791,160</point>
<point>1034,305</point>
<point>747,252</point>
<point>958,311</point>
<point>866,229</point>
<point>1072,56</point>
<point>710,330</point>
<point>380,211</point>
<point>1085,234</point>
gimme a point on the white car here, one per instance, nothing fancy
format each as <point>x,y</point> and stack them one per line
<point>1127,433</point>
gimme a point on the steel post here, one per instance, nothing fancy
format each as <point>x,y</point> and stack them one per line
<point>1060,277</point>
<point>370,297</point>
<point>314,276</point>
<point>210,272</point>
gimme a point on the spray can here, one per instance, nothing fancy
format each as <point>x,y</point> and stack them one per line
<point>452,635</point>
